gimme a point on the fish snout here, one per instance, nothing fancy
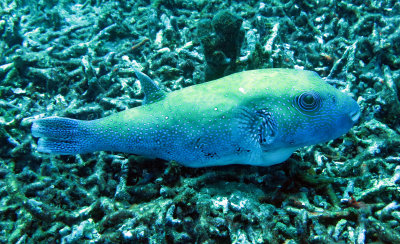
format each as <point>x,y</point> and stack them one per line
<point>355,112</point>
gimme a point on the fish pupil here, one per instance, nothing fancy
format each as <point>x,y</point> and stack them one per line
<point>308,99</point>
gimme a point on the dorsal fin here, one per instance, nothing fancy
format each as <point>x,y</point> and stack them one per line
<point>152,92</point>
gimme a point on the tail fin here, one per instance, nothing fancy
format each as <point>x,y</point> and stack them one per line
<point>63,136</point>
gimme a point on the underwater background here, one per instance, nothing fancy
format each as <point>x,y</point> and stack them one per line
<point>72,59</point>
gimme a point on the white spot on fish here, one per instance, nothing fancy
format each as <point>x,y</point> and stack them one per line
<point>241,89</point>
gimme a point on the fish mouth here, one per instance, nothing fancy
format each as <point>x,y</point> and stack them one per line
<point>355,115</point>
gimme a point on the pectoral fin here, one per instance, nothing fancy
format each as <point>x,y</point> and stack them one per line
<point>258,126</point>
<point>266,127</point>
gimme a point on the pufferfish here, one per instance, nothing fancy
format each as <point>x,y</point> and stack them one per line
<point>258,117</point>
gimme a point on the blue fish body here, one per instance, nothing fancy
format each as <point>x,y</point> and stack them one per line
<point>256,117</point>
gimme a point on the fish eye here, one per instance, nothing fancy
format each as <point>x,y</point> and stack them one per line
<point>308,101</point>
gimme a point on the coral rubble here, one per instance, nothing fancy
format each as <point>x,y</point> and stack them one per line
<point>73,58</point>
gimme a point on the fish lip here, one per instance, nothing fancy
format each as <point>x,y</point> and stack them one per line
<point>355,115</point>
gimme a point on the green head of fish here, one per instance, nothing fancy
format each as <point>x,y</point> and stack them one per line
<point>296,108</point>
